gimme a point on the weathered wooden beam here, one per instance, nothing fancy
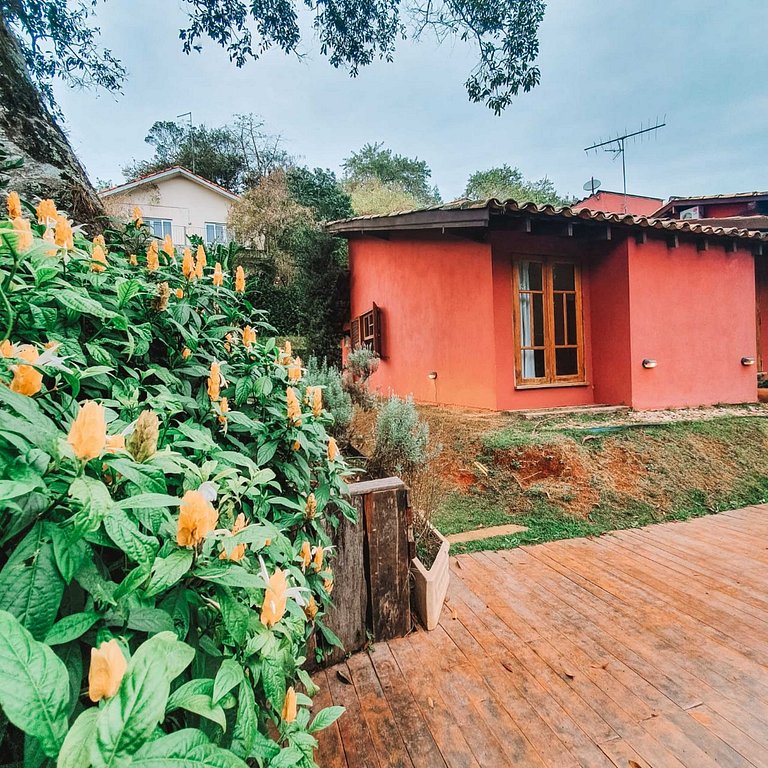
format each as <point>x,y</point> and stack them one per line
<point>641,237</point>
<point>758,249</point>
<point>673,240</point>
<point>731,246</point>
<point>702,244</point>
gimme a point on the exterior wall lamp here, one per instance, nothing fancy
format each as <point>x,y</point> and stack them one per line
<point>747,360</point>
<point>648,363</point>
<point>432,375</point>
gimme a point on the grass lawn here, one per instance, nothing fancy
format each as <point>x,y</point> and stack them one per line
<point>583,476</point>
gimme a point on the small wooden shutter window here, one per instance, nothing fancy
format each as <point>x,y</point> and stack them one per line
<point>376,312</point>
<point>355,333</point>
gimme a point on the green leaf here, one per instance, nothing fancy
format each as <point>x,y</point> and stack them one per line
<point>95,501</point>
<point>126,290</point>
<point>71,627</point>
<point>148,501</point>
<point>30,584</point>
<point>34,687</point>
<point>196,696</point>
<point>167,571</point>
<point>229,675</point>
<point>75,751</point>
<point>69,552</point>
<point>129,718</point>
<point>126,534</point>
<point>287,758</point>
<point>148,619</point>
<point>273,680</point>
<point>84,304</point>
<point>234,614</point>
<point>325,717</point>
<point>247,722</point>
<point>188,748</point>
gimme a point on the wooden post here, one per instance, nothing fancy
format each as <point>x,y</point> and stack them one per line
<point>387,524</point>
<point>371,587</point>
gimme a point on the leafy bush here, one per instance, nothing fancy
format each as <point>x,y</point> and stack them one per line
<point>337,400</point>
<point>400,439</point>
<point>362,362</point>
<point>167,494</point>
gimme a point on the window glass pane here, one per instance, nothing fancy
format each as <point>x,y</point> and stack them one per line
<point>563,277</point>
<point>559,318</point>
<point>166,227</point>
<point>566,361</point>
<point>570,308</point>
<point>530,276</point>
<point>526,332</point>
<point>538,357</point>
<point>538,319</point>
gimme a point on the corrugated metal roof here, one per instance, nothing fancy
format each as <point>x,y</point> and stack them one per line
<point>512,207</point>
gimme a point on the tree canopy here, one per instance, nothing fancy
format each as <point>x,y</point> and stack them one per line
<point>505,182</point>
<point>59,39</point>
<point>235,155</point>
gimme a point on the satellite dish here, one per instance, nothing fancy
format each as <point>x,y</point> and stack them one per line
<point>592,185</point>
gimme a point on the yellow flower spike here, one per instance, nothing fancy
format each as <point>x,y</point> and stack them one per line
<point>289,706</point>
<point>197,518</point>
<point>153,259</point>
<point>275,599</point>
<point>224,408</point>
<point>188,265</point>
<point>26,379</point>
<point>46,212</point>
<point>305,554</point>
<point>186,352</point>
<point>98,259</point>
<point>249,336</point>
<point>333,449</point>
<point>310,609</point>
<point>218,275</point>
<point>168,247</point>
<point>23,229</point>
<point>179,293</point>
<point>296,445</point>
<point>286,354</point>
<point>133,260</point>
<point>239,280</point>
<point>160,302</point>
<point>108,666</point>
<point>88,434</point>
<point>294,407</point>
<point>294,371</point>
<point>48,236</point>
<point>99,240</point>
<point>143,442</point>
<point>328,585</point>
<point>317,560</point>
<point>7,349</point>
<point>14,205</point>
<point>137,220</point>
<point>214,381</point>
<point>310,508</point>
<point>63,233</point>
<point>317,401</point>
<point>238,553</point>
<point>115,443</point>
<point>200,257</point>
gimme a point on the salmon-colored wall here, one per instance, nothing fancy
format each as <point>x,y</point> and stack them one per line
<point>436,299</point>
<point>694,313</point>
<point>723,210</point>
<point>614,202</point>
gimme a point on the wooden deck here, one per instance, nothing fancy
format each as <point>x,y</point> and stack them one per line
<point>642,648</point>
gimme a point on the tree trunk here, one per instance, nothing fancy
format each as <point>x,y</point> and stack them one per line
<point>28,130</point>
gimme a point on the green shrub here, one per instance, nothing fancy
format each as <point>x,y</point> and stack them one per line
<point>400,439</point>
<point>337,400</point>
<point>164,491</point>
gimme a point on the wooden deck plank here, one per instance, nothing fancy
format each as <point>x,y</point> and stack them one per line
<point>646,647</point>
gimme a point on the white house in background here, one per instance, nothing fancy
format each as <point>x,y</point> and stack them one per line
<point>176,202</point>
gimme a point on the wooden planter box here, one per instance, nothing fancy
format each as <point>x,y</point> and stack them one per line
<point>431,586</point>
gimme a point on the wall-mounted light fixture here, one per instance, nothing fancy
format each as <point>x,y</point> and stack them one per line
<point>747,360</point>
<point>648,363</point>
<point>432,375</point>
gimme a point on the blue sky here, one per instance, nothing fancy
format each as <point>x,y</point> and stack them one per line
<point>606,67</point>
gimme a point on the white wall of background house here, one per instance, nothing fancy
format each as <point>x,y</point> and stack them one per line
<point>175,202</point>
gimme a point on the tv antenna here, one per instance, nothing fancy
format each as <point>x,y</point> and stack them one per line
<point>191,135</point>
<point>617,144</point>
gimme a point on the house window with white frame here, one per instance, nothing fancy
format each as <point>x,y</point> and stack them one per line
<point>215,233</point>
<point>159,227</point>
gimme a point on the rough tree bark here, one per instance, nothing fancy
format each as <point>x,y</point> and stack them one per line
<point>28,130</point>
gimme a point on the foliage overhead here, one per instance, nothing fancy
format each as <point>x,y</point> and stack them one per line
<point>168,493</point>
<point>235,155</point>
<point>506,183</point>
<point>402,174</point>
<point>377,198</point>
<point>59,39</point>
